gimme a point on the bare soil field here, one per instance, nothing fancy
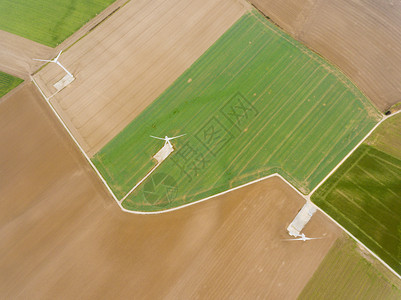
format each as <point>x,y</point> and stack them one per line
<point>129,59</point>
<point>362,37</point>
<point>16,54</point>
<point>63,236</point>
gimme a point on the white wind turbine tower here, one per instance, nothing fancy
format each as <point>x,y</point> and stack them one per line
<point>56,62</point>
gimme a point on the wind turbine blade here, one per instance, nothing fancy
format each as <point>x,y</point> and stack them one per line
<point>58,55</point>
<point>57,62</point>
<point>304,239</point>
<point>155,137</point>
<point>42,59</point>
<point>174,137</point>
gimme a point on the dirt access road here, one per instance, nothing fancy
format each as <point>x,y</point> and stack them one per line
<point>362,37</point>
<point>63,236</point>
<point>130,59</point>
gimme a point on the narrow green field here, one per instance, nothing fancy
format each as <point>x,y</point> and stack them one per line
<point>364,194</point>
<point>257,102</point>
<point>345,273</point>
<point>48,22</point>
<point>7,83</point>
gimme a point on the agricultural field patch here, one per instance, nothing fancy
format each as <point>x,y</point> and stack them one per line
<point>256,103</point>
<point>348,273</point>
<point>48,22</point>
<point>387,137</point>
<point>7,83</point>
<point>364,195</point>
<point>362,38</point>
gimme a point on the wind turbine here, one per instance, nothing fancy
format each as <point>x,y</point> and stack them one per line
<point>167,139</point>
<point>56,62</point>
<point>303,238</point>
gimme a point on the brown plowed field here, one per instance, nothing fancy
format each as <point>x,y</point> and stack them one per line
<point>129,59</point>
<point>362,37</point>
<point>62,236</point>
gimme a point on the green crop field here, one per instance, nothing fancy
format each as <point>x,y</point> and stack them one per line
<point>346,273</point>
<point>48,22</point>
<point>7,83</point>
<point>256,103</point>
<point>364,194</point>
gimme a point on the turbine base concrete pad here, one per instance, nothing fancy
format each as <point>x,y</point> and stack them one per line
<point>63,82</point>
<point>163,153</point>
<point>302,218</point>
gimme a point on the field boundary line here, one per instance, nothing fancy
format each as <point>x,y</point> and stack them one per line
<point>345,173</point>
<point>75,141</point>
<point>384,118</point>
<point>305,197</point>
<point>359,242</point>
<point>142,180</point>
<point>215,195</point>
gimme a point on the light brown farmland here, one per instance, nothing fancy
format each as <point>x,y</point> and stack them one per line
<point>63,236</point>
<point>16,55</point>
<point>131,58</point>
<point>362,37</point>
